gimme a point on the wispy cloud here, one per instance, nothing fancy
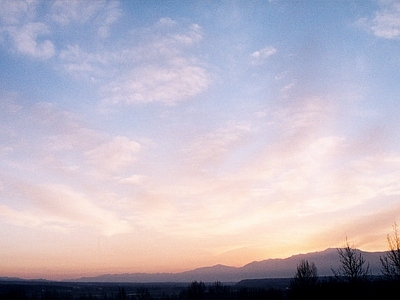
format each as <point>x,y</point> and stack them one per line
<point>12,12</point>
<point>169,84</point>
<point>87,65</point>
<point>223,134</point>
<point>75,11</point>
<point>29,36</point>
<point>64,147</point>
<point>208,149</point>
<point>20,218</point>
<point>101,13</point>
<point>259,57</point>
<point>114,155</point>
<point>112,13</point>
<point>60,144</point>
<point>158,67</point>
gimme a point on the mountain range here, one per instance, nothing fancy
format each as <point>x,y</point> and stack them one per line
<point>270,268</point>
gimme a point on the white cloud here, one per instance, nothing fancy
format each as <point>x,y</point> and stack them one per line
<point>386,21</point>
<point>259,57</point>
<point>167,84</point>
<point>162,70</point>
<point>18,22</point>
<point>26,40</point>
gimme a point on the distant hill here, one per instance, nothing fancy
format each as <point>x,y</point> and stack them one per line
<point>10,279</point>
<point>17,279</point>
<point>270,268</point>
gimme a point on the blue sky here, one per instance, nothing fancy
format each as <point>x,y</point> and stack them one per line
<point>160,136</point>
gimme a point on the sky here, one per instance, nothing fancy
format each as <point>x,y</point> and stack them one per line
<point>162,136</point>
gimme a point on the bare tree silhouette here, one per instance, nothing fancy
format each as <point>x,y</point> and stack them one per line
<point>391,261</point>
<point>352,269</point>
<point>302,286</point>
<point>306,274</point>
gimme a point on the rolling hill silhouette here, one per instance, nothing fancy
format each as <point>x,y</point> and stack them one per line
<point>270,268</point>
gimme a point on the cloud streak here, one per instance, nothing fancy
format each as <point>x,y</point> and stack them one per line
<point>57,206</point>
<point>72,153</point>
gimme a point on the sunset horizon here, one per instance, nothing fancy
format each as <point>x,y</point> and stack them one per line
<point>161,136</point>
<point>67,275</point>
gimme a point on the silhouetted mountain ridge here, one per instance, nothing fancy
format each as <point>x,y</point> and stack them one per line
<point>269,268</point>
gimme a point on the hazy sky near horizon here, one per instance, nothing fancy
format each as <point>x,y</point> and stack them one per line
<point>160,136</point>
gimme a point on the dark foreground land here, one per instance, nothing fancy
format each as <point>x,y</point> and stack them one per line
<point>279,288</point>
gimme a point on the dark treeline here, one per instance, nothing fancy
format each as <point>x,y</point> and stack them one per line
<point>331,288</point>
<point>375,287</point>
<point>352,280</point>
<point>194,290</point>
